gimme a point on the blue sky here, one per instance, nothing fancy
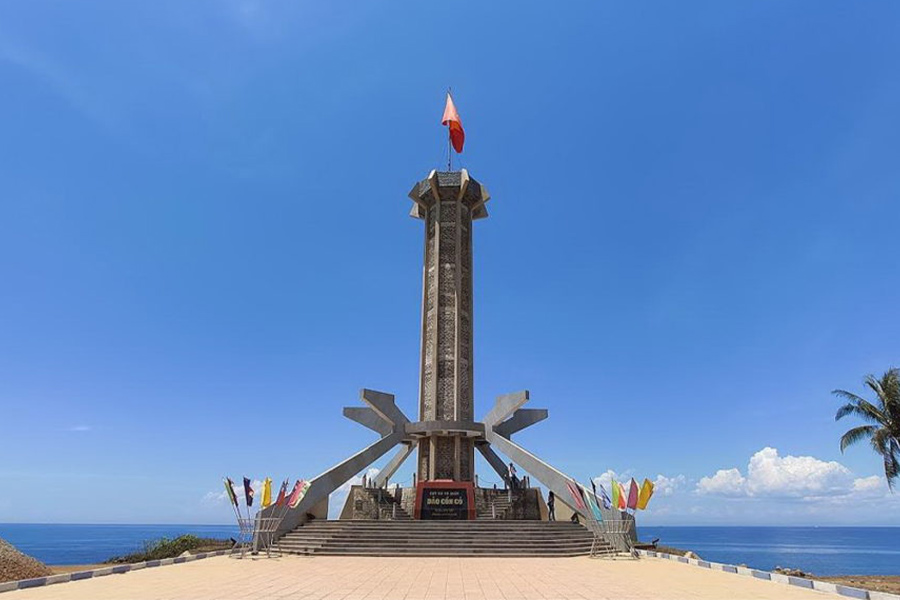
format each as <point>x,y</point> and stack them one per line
<point>206,252</point>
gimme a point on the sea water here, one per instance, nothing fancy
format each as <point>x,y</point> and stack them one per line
<point>60,544</point>
<point>817,550</point>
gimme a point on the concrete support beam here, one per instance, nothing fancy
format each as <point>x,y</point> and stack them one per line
<point>383,404</point>
<point>505,406</point>
<point>389,469</point>
<point>522,418</point>
<point>550,477</point>
<point>322,486</point>
<point>495,461</point>
<point>367,417</point>
<point>383,407</point>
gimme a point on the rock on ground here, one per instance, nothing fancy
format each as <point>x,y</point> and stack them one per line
<point>15,565</point>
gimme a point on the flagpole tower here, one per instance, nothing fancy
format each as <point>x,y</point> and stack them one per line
<point>446,433</point>
<point>447,203</point>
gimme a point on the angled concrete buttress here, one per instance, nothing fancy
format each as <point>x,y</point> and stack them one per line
<point>382,416</point>
<point>506,418</point>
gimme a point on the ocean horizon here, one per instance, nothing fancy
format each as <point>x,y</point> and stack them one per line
<point>818,550</point>
<point>84,544</point>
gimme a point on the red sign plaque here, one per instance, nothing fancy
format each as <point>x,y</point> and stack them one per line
<point>445,499</point>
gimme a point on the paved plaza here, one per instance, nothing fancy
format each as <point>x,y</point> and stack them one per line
<point>357,578</point>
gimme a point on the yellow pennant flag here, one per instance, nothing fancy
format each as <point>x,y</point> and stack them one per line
<point>267,492</point>
<point>646,492</point>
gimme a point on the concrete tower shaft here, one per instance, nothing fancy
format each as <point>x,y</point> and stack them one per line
<point>447,202</point>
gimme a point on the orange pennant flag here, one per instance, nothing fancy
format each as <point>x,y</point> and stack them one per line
<point>451,120</point>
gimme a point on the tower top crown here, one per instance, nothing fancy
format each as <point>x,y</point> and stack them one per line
<point>445,186</point>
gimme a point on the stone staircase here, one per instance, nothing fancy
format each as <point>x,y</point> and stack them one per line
<point>501,505</point>
<point>438,538</point>
<point>389,508</point>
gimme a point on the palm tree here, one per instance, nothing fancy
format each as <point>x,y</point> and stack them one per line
<point>884,418</point>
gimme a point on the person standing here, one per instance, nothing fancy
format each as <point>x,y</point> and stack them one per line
<point>551,503</point>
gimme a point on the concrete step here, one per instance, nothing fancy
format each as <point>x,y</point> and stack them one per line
<point>451,526</point>
<point>432,553</point>
<point>338,535</point>
<point>514,534</point>
<point>350,535</point>
<point>426,542</point>
<point>438,538</point>
<point>441,548</point>
<point>509,524</point>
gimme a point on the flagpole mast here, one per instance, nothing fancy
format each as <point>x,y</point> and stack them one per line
<point>449,143</point>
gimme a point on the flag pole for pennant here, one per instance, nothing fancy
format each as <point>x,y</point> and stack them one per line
<point>284,501</point>
<point>232,500</point>
<point>455,134</point>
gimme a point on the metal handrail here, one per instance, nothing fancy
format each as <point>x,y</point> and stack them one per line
<point>617,533</point>
<point>259,529</point>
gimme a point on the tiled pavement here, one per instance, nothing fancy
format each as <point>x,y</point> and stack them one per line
<point>419,578</point>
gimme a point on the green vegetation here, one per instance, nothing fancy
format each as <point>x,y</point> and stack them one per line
<point>170,548</point>
<point>883,432</point>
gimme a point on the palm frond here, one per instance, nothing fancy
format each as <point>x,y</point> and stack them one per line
<point>880,441</point>
<point>874,384</point>
<point>889,449</point>
<point>891,468</point>
<point>848,396</point>
<point>890,382</point>
<point>856,434</point>
<point>863,410</point>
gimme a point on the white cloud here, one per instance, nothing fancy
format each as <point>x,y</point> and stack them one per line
<point>80,428</point>
<point>609,475</point>
<point>726,482</point>
<point>796,476</point>
<point>802,477</point>
<point>870,486</point>
<point>666,486</point>
<point>214,497</point>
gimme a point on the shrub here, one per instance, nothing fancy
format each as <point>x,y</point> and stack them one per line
<point>170,548</point>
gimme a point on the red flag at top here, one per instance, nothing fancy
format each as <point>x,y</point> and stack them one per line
<point>451,120</point>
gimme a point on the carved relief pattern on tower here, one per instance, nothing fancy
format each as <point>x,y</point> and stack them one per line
<point>426,396</point>
<point>466,456</point>
<point>444,459</point>
<point>446,288</point>
<point>446,370</point>
<point>424,456</point>
<point>445,404</point>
